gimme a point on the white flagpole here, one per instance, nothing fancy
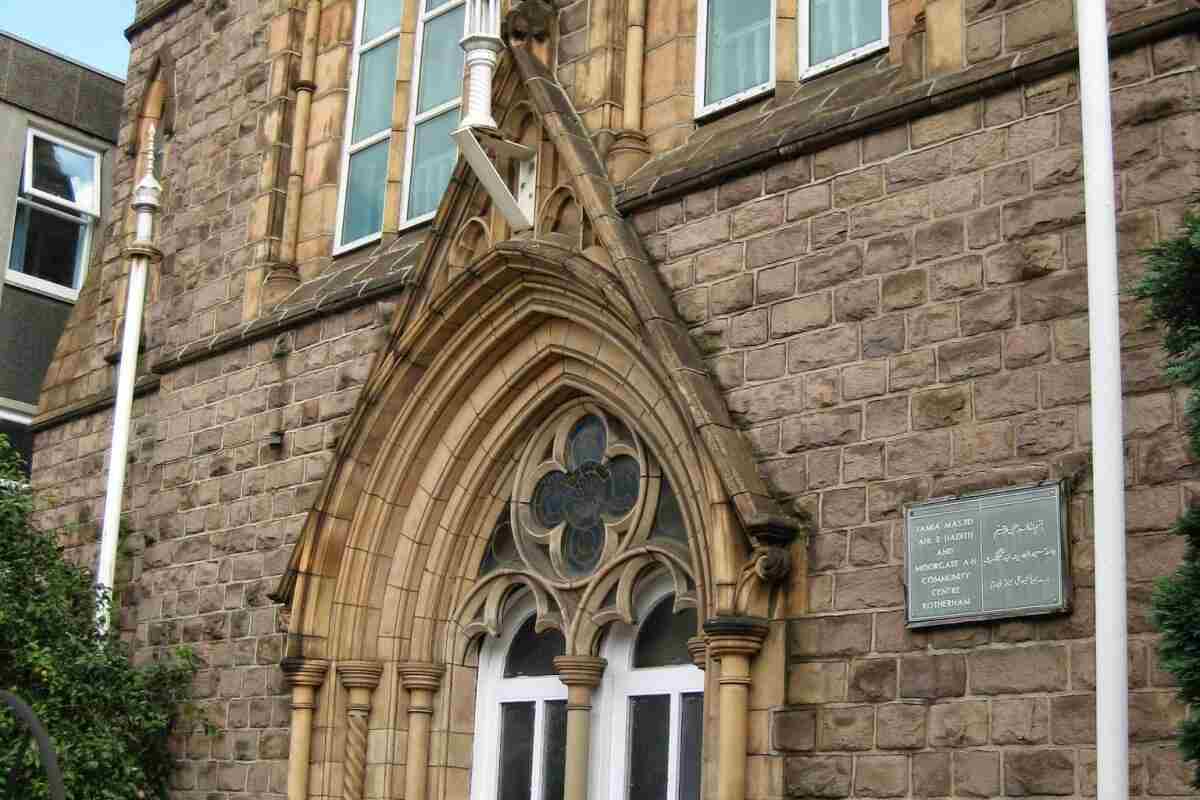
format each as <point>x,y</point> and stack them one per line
<point>1108,454</point>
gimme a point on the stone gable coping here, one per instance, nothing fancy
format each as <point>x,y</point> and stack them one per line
<point>761,515</point>
<point>163,9</point>
<point>873,96</point>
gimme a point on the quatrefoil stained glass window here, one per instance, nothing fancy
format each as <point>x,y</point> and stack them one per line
<point>586,488</point>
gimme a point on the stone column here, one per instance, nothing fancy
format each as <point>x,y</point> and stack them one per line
<point>733,641</point>
<point>360,679</point>
<point>305,676</point>
<point>582,675</point>
<point>422,680</point>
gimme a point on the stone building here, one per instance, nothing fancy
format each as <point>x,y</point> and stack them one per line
<point>445,507</point>
<point>58,128</point>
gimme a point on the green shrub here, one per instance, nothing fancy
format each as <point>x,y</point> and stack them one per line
<point>109,720</point>
<point>1172,284</point>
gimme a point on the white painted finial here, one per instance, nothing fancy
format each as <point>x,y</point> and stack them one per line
<point>482,43</point>
<point>147,196</point>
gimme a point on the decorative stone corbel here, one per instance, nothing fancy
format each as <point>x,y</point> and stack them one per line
<point>733,641</point>
<point>360,679</point>
<point>582,675</point>
<point>304,676</point>
<point>422,680</point>
<point>769,564</point>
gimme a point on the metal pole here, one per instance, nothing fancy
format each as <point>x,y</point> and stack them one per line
<point>1108,454</point>
<point>146,201</point>
<point>45,747</point>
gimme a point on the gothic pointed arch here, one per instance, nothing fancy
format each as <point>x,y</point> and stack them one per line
<point>501,347</point>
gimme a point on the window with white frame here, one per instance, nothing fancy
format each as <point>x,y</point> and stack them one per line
<point>521,724</point>
<point>430,153</point>
<point>836,32</point>
<point>652,697</point>
<point>437,95</point>
<point>647,717</point>
<point>735,52</point>
<point>57,206</point>
<point>369,122</point>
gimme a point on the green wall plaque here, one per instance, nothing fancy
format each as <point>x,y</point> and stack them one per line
<point>987,556</point>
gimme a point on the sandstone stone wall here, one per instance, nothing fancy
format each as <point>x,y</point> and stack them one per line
<point>904,316</point>
<point>892,318</point>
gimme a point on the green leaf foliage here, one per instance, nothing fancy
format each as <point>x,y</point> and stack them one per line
<point>1172,285</point>
<point>109,719</point>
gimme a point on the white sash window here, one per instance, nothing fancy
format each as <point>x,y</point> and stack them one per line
<point>368,122</point>
<point>836,32</point>
<point>437,95</point>
<point>735,52</point>
<point>436,87</point>
<point>57,207</point>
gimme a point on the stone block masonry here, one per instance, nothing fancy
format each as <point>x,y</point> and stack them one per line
<point>918,328</point>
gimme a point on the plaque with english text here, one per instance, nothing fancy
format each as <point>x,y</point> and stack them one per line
<point>991,555</point>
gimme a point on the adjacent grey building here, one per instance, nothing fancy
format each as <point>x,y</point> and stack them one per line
<point>58,126</point>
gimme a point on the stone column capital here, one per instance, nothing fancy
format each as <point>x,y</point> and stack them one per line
<point>734,636</point>
<point>421,675</point>
<point>359,674</point>
<point>304,671</point>
<point>580,670</point>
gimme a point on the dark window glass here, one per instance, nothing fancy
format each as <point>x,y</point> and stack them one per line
<point>625,477</point>
<point>649,746</point>
<point>501,550</point>
<point>662,639</point>
<point>586,442</point>
<point>533,653</point>
<point>21,438</point>
<point>582,548</point>
<point>691,733</point>
<point>555,751</point>
<point>516,750</point>
<point>47,246</point>
<point>668,517</point>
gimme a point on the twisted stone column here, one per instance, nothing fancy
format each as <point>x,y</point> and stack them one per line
<point>734,641</point>
<point>422,680</point>
<point>582,675</point>
<point>305,676</point>
<point>360,679</point>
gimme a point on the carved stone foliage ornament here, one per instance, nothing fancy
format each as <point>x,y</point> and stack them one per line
<point>591,514</point>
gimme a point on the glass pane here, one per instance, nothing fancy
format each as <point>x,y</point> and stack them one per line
<point>364,192</point>
<point>625,480</point>
<point>668,517</point>
<point>839,26</point>
<point>376,86</point>
<point>516,751</point>
<point>662,639</point>
<point>47,246</point>
<point>738,54</point>
<point>555,752</point>
<point>434,155</point>
<point>381,16</point>
<point>64,173</point>
<point>533,653</point>
<point>441,60</point>
<point>586,442</point>
<point>432,5</point>
<point>649,746</point>
<point>582,547</point>
<point>691,733</point>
